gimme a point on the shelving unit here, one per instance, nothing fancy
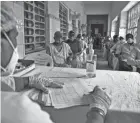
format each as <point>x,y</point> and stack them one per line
<point>63,15</point>
<point>34,26</point>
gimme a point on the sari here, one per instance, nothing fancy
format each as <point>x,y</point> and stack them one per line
<point>60,57</point>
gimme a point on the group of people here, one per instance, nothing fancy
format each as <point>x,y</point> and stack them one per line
<point>16,105</point>
<point>123,55</point>
<point>69,53</point>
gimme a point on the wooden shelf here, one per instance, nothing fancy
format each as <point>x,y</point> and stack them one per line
<point>40,22</point>
<point>28,19</point>
<point>40,15</point>
<point>28,11</point>
<point>36,25</point>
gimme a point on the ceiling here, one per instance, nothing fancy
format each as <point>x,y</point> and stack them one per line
<point>96,2</point>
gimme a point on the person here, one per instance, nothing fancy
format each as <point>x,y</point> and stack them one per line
<point>117,46</point>
<point>76,47</point>
<point>17,107</point>
<point>125,53</point>
<point>98,106</point>
<point>136,60</point>
<point>60,51</point>
<point>84,40</point>
<point>110,55</point>
<point>84,46</point>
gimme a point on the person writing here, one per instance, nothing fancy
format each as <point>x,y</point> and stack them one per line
<point>17,107</point>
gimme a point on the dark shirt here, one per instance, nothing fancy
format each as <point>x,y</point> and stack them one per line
<point>75,46</point>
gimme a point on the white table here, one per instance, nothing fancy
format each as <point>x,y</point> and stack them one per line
<point>123,86</point>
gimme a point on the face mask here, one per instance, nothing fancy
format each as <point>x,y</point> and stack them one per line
<point>13,61</point>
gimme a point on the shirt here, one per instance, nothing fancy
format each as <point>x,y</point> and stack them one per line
<point>126,51</point>
<point>59,57</point>
<point>117,46</point>
<point>136,60</point>
<point>75,45</point>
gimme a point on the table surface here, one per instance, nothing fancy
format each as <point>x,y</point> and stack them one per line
<point>124,87</point>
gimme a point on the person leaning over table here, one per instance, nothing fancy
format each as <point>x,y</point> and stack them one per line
<point>17,107</point>
<point>126,52</point>
<point>60,51</point>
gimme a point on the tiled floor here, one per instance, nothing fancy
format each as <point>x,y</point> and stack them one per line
<point>102,64</point>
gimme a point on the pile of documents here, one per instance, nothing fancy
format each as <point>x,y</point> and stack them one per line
<point>70,95</point>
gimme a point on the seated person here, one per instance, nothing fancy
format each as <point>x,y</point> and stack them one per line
<point>110,55</point>
<point>17,107</point>
<point>59,50</point>
<point>125,53</point>
<point>136,60</point>
<point>117,46</point>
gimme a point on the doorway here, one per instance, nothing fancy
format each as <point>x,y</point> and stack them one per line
<point>97,28</point>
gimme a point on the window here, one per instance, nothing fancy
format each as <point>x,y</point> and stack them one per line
<point>63,15</point>
<point>133,16</point>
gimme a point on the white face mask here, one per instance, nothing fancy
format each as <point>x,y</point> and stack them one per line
<point>13,61</point>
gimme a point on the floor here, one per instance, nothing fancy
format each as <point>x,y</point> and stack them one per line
<point>102,64</point>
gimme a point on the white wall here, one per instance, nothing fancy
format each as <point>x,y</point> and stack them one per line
<point>97,8</point>
<point>117,7</point>
<point>53,11</point>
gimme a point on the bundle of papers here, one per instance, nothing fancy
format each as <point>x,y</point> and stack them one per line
<point>70,95</point>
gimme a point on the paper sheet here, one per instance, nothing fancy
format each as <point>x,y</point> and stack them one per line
<point>70,95</point>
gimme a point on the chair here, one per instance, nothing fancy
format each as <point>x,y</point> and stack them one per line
<point>40,58</point>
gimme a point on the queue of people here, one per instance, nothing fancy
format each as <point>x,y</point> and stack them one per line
<point>69,53</point>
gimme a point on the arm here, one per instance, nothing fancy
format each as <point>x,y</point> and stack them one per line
<point>112,50</point>
<point>134,61</point>
<point>48,50</point>
<point>14,83</point>
<point>79,48</point>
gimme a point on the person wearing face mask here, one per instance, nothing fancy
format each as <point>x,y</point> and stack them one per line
<point>16,104</point>
<point>60,51</point>
<point>126,52</point>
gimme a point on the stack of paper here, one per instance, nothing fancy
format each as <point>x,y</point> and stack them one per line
<point>70,95</point>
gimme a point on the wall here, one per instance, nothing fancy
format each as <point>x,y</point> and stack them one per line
<point>97,19</point>
<point>53,15</point>
<point>117,7</point>
<point>99,8</point>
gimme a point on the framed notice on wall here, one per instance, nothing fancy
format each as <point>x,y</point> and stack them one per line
<point>96,30</point>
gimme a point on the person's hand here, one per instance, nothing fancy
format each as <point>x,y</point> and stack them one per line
<point>42,83</point>
<point>18,108</point>
<point>130,61</point>
<point>99,99</point>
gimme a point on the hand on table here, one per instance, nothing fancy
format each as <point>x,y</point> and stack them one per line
<point>130,61</point>
<point>42,83</point>
<point>99,99</point>
<point>18,108</point>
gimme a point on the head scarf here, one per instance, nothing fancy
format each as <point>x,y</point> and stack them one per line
<point>8,22</point>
